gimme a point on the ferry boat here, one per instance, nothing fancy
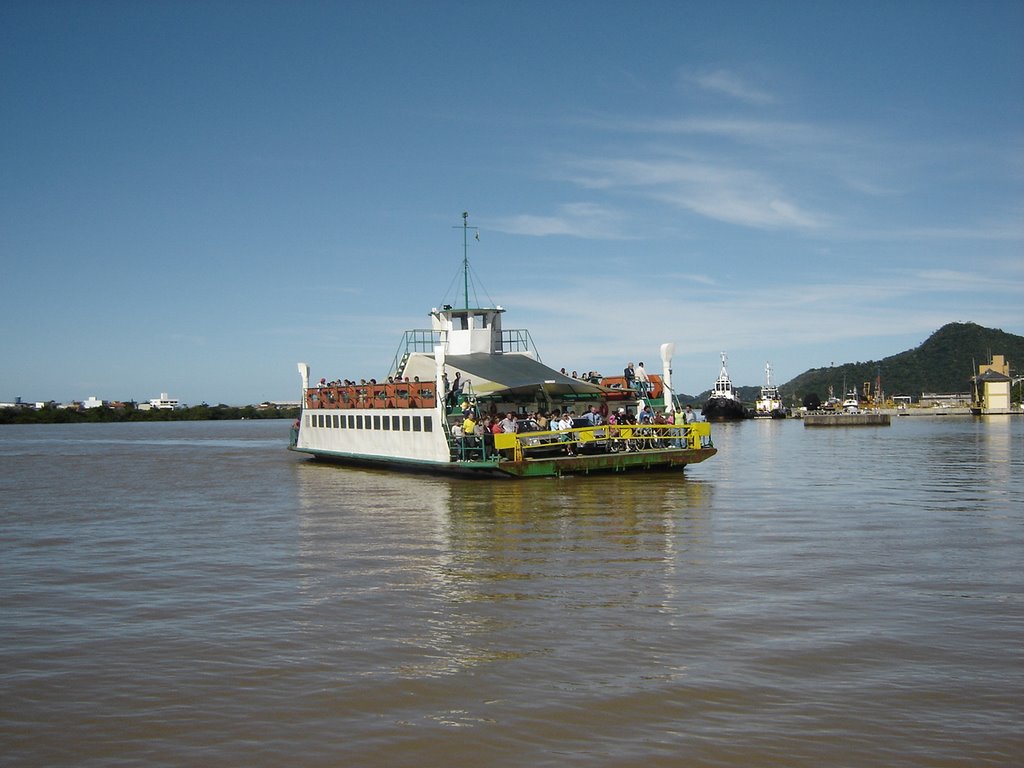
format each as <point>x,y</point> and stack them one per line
<point>467,363</point>
<point>769,404</point>
<point>723,404</point>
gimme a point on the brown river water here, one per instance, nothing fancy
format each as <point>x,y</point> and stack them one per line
<point>193,594</point>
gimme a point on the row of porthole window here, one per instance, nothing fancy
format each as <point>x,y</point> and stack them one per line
<point>378,422</point>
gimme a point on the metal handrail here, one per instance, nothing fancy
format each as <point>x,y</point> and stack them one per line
<point>425,339</point>
<point>613,437</point>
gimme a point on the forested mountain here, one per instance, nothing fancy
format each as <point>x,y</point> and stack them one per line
<point>945,362</point>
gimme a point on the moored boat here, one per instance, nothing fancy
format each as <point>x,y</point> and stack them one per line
<point>769,403</point>
<point>851,404</point>
<point>723,404</point>
<point>467,365</point>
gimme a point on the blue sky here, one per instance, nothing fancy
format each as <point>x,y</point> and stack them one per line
<point>197,195</point>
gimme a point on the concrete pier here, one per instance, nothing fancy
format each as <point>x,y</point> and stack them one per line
<point>847,420</point>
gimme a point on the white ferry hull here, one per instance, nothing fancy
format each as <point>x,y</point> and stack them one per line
<point>374,435</point>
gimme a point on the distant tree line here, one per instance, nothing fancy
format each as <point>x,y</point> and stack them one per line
<point>51,414</point>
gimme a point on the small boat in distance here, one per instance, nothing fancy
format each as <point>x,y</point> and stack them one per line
<point>769,404</point>
<point>851,404</point>
<point>723,404</point>
<point>466,370</point>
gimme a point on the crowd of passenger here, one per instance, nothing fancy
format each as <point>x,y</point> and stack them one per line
<point>323,383</point>
<point>474,424</point>
<point>635,375</point>
<point>636,378</point>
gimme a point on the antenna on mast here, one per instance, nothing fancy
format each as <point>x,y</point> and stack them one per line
<point>465,254</point>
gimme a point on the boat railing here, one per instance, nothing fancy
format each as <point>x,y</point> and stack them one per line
<point>608,438</point>
<point>471,447</point>
<point>518,340</point>
<point>423,340</point>
<point>417,340</point>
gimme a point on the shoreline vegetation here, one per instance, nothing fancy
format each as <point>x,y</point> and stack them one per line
<point>128,412</point>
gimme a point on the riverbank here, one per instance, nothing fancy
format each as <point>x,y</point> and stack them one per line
<point>50,415</point>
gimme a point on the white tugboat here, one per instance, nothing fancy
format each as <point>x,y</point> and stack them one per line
<point>723,404</point>
<point>769,404</point>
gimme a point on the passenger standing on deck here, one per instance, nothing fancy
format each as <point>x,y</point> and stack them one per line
<point>564,426</point>
<point>643,384</point>
<point>468,424</point>
<point>508,424</point>
<point>679,419</point>
<point>456,390</point>
<point>689,416</point>
<point>630,375</point>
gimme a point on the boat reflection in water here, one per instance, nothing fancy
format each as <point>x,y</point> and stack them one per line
<point>455,548</point>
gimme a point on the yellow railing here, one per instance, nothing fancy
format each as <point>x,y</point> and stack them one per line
<point>606,438</point>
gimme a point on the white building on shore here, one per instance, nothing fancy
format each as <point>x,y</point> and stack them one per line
<point>164,401</point>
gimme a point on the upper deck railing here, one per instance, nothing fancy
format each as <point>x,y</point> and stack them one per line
<point>402,394</point>
<point>423,340</point>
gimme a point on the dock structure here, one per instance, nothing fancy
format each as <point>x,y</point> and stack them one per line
<point>847,420</point>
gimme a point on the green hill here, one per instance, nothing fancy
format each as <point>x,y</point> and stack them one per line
<point>945,363</point>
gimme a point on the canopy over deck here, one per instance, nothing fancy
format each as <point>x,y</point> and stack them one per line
<point>518,374</point>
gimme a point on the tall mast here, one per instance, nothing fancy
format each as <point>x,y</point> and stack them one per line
<point>465,256</point>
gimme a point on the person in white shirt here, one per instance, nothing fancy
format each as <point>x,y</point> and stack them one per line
<point>566,424</point>
<point>643,383</point>
<point>508,424</point>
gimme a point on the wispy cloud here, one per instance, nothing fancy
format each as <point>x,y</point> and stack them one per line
<point>750,131</point>
<point>584,220</point>
<point>720,192</point>
<point>726,83</point>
